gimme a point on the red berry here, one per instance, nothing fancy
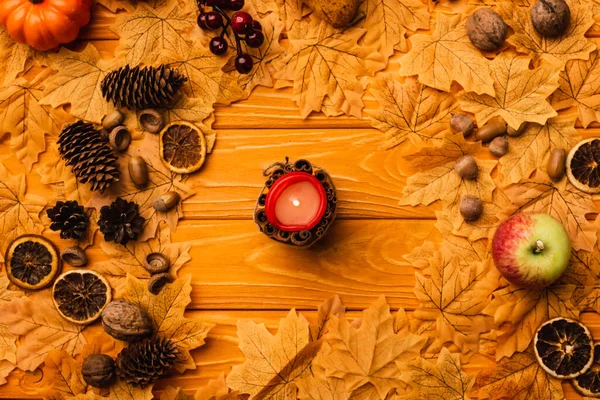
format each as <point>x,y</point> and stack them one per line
<point>244,63</point>
<point>218,46</point>
<point>255,38</point>
<point>214,20</point>
<point>256,26</point>
<point>240,21</point>
<point>236,5</point>
<point>202,21</point>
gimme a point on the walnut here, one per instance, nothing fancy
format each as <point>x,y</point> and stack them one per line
<point>550,17</point>
<point>486,29</point>
<point>126,321</point>
<point>98,370</point>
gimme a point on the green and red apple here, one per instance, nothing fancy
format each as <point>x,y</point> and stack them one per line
<point>531,250</point>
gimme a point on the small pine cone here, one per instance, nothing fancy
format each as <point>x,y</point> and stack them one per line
<point>141,88</point>
<point>90,157</point>
<point>142,363</point>
<point>121,222</point>
<point>69,218</point>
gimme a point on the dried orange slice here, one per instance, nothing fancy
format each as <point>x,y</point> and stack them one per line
<point>32,262</point>
<point>564,348</point>
<point>588,384</point>
<point>80,296</point>
<point>182,147</point>
<point>583,165</point>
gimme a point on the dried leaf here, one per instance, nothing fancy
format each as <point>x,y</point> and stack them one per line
<point>323,62</point>
<point>448,55</point>
<point>519,377</point>
<point>580,86</point>
<point>520,92</point>
<point>216,389</point>
<point>6,367</point>
<point>148,33</point>
<point>41,329</point>
<point>13,58</point>
<point>62,376</point>
<point>8,345</point>
<point>171,393</point>
<point>274,363</point>
<point>584,272</point>
<point>524,310</point>
<point>410,111</point>
<point>531,150</point>
<point>572,44</point>
<point>290,11</point>
<point>419,257</point>
<point>167,313</point>
<point>56,174</point>
<point>115,5</point>
<point>368,354</point>
<point>123,391</point>
<point>188,109</point>
<point>468,252</point>
<point>77,82</point>
<point>322,388</point>
<point>561,200</point>
<point>332,307</point>
<point>444,380</point>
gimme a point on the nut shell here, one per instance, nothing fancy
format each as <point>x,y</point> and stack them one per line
<point>151,121</point>
<point>157,263</point>
<point>126,321</point>
<point>494,128</point>
<point>158,281</point>
<point>138,171</point>
<point>119,138</point>
<point>113,120</point>
<point>74,256</point>
<point>499,146</point>
<point>471,207</point>
<point>486,29</point>
<point>165,202</point>
<point>466,167</point>
<point>550,18</point>
<point>556,164</point>
<point>99,370</point>
<point>462,123</point>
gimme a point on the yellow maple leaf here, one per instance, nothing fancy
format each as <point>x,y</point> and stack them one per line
<point>148,33</point>
<point>273,362</point>
<point>41,329</point>
<point>444,380</point>
<point>124,391</point>
<point>321,388</point>
<point>519,377</point>
<point>166,311</point>
<point>467,251</point>
<point>368,354</point>
<point>77,82</point>
<point>323,62</point>
<point>290,11</point>
<point>62,376</point>
<point>580,86</point>
<point>531,150</point>
<point>572,44</point>
<point>448,55</point>
<point>61,178</point>
<point>8,345</point>
<point>217,389</point>
<point>561,200</point>
<point>524,310</point>
<point>194,110</point>
<point>520,92</point>
<point>410,111</point>
<point>14,56</point>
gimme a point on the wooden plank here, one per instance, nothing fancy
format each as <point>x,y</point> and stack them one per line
<point>221,353</point>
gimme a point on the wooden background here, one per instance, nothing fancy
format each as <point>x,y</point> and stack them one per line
<point>238,272</point>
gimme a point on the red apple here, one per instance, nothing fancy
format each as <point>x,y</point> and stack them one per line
<point>531,250</point>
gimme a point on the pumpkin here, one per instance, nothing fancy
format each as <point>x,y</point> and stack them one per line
<point>44,24</point>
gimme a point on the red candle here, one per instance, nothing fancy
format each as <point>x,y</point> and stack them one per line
<point>295,202</point>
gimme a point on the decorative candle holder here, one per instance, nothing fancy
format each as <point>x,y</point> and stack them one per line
<point>297,204</point>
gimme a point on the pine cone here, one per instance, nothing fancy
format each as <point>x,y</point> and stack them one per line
<point>141,88</point>
<point>69,218</point>
<point>142,363</point>
<point>121,221</point>
<point>91,158</point>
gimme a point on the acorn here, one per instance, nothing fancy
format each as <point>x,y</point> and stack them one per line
<point>119,138</point>
<point>516,132</point>
<point>157,263</point>
<point>151,121</point>
<point>471,207</point>
<point>486,29</point>
<point>158,282</point>
<point>494,128</point>
<point>112,120</point>
<point>556,164</point>
<point>466,167</point>
<point>462,123</point>
<point>138,171</point>
<point>165,202</point>
<point>550,18</point>
<point>74,256</point>
<point>499,146</point>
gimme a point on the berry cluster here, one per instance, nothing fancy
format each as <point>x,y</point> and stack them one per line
<point>244,28</point>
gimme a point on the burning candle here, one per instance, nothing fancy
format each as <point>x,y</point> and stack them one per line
<point>295,202</point>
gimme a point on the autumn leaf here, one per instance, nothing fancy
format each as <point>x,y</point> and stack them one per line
<point>520,92</point>
<point>16,57</point>
<point>147,34</point>
<point>368,354</point>
<point>60,177</point>
<point>41,329</point>
<point>560,200</point>
<point>444,380</point>
<point>580,86</point>
<point>524,310</point>
<point>467,251</point>
<point>454,296</point>
<point>6,367</point>
<point>8,345</point>
<point>274,363</point>
<point>188,109</point>
<point>485,226</point>
<point>130,259</point>
<point>115,5</point>
<point>167,313</point>
<point>419,257</point>
<point>19,210</point>
<point>572,44</point>
<point>532,149</point>
<point>290,11</point>
<point>322,388</point>
<point>584,272</point>
<point>519,377</point>
<point>410,111</point>
<point>331,307</point>
<point>161,181</point>
<point>438,180</point>
<point>77,82</point>
<point>62,376</point>
<point>217,389</point>
<point>322,62</point>
<point>123,391</point>
<point>448,55</point>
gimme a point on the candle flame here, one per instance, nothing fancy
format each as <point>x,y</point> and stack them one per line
<point>296,202</point>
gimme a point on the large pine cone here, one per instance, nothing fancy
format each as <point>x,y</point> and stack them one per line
<point>121,222</point>
<point>91,158</point>
<point>141,88</point>
<point>69,218</point>
<point>142,363</point>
